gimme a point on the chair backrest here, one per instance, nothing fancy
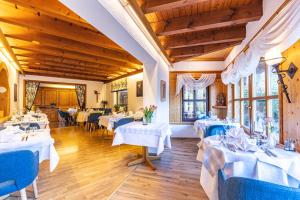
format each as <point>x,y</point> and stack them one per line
<point>214,129</point>
<point>63,114</point>
<point>94,117</point>
<point>242,188</point>
<point>18,167</point>
<point>123,121</point>
<point>107,111</point>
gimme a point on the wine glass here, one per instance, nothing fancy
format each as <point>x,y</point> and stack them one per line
<point>25,125</point>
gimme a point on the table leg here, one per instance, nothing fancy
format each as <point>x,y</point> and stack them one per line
<point>145,159</point>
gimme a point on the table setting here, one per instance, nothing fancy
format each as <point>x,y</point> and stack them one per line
<point>31,117</point>
<point>202,124</point>
<point>238,154</point>
<point>12,138</point>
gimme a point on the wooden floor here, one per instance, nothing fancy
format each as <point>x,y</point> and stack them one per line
<point>90,168</point>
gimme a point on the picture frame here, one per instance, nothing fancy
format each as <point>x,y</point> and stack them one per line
<point>139,89</point>
<point>15,92</point>
<point>163,90</point>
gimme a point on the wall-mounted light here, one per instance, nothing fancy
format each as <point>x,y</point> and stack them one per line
<point>276,62</point>
<point>2,90</point>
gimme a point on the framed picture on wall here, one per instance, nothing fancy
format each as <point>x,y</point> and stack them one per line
<point>163,90</point>
<point>15,92</point>
<point>139,88</point>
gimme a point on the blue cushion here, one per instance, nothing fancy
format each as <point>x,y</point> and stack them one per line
<point>241,188</point>
<point>18,169</point>
<point>123,121</point>
<point>94,117</point>
<point>214,129</point>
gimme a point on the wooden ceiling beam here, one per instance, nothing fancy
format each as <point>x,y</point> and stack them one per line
<point>62,75</point>
<point>70,67</point>
<point>70,45</point>
<point>210,20</point>
<point>231,34</point>
<point>189,52</point>
<point>52,8</point>
<point>161,5</point>
<point>43,23</point>
<point>72,55</point>
<point>63,70</point>
<point>125,75</point>
<point>32,57</point>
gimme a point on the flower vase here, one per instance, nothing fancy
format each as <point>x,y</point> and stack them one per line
<point>272,141</point>
<point>147,119</point>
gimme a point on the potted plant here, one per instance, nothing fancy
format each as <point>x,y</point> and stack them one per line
<point>117,108</point>
<point>148,113</point>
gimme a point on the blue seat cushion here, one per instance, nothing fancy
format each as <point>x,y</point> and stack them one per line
<point>7,187</point>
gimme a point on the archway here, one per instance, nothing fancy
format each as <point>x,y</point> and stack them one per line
<point>4,96</point>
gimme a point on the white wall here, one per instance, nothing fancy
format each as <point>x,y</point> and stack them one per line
<point>91,86</point>
<point>198,66</point>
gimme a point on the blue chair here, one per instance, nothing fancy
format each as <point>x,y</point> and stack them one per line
<point>93,120</point>
<point>65,116</point>
<point>240,188</point>
<point>123,121</point>
<point>214,129</point>
<point>204,117</point>
<point>18,169</point>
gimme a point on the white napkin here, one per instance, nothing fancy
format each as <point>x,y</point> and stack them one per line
<point>236,132</point>
<point>244,144</point>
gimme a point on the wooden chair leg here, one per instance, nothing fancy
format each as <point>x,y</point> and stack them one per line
<point>23,194</point>
<point>35,190</point>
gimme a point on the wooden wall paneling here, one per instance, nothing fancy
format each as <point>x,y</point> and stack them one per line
<point>50,96</point>
<point>63,98</point>
<point>175,101</point>
<point>291,112</point>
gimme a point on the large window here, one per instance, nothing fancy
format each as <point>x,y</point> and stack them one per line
<point>255,100</point>
<point>194,104</point>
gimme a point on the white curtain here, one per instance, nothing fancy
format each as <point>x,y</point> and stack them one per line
<point>189,82</point>
<point>281,33</point>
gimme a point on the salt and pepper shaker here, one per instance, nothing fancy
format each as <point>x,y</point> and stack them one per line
<point>290,144</point>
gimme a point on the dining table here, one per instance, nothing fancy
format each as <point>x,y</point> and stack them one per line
<point>109,120</point>
<point>201,125</point>
<point>153,135</point>
<point>39,118</point>
<point>273,165</point>
<point>12,139</point>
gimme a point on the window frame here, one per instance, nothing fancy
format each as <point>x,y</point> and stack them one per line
<point>252,98</point>
<point>206,100</point>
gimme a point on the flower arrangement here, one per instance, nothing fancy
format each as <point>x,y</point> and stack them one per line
<point>148,113</point>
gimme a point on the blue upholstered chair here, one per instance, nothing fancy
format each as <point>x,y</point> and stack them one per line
<point>240,188</point>
<point>65,116</point>
<point>93,120</point>
<point>123,121</point>
<point>18,169</point>
<point>204,117</point>
<point>214,129</point>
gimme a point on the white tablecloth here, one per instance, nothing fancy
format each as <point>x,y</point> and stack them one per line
<point>109,120</point>
<point>155,135</point>
<point>201,125</point>
<point>283,170</point>
<point>40,140</point>
<point>43,121</point>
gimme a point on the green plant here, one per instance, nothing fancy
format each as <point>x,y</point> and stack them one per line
<point>148,113</point>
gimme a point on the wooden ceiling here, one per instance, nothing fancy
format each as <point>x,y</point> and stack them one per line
<point>48,39</point>
<point>185,29</point>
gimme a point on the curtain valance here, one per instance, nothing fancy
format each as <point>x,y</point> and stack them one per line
<point>188,81</point>
<point>281,33</point>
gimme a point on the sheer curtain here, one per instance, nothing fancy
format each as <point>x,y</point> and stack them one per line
<point>189,82</point>
<point>31,88</point>
<point>281,33</point>
<point>80,92</point>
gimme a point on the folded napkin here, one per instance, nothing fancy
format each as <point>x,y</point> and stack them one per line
<point>244,143</point>
<point>236,133</point>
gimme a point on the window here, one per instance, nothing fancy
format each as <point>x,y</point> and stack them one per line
<point>256,98</point>
<point>194,104</point>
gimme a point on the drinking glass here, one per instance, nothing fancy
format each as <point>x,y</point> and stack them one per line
<point>25,125</point>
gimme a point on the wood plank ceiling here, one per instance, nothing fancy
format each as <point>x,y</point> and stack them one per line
<point>48,39</point>
<point>186,29</point>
